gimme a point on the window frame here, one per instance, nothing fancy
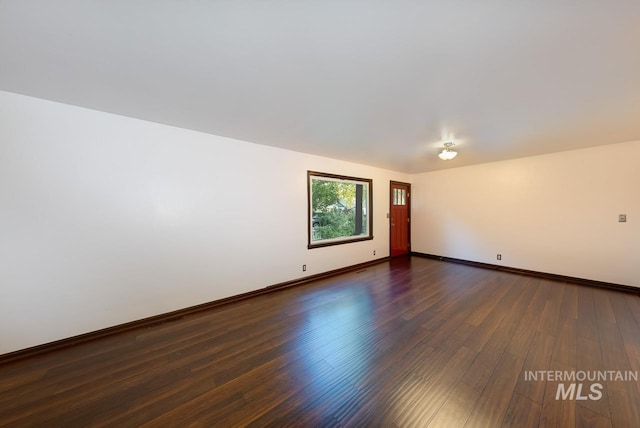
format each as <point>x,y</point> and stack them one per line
<point>342,240</point>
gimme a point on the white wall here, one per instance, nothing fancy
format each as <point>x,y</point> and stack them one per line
<point>556,213</point>
<point>106,219</point>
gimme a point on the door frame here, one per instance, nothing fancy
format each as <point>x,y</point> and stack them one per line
<point>401,183</point>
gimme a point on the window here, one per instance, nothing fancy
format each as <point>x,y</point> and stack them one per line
<point>339,209</point>
<point>399,197</point>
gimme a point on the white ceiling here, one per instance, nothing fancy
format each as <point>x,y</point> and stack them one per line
<point>374,82</point>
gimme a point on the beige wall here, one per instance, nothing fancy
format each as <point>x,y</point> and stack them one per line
<point>556,213</point>
<point>106,219</point>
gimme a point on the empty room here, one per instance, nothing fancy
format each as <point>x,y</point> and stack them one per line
<point>318,213</point>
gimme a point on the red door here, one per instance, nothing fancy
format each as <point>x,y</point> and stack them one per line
<point>400,218</point>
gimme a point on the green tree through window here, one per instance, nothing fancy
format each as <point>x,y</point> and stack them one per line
<point>339,209</point>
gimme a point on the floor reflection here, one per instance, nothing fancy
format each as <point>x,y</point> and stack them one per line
<point>335,334</point>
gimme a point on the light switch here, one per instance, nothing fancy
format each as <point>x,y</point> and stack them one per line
<point>622,218</point>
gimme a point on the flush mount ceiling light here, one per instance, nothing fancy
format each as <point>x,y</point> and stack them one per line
<point>447,153</point>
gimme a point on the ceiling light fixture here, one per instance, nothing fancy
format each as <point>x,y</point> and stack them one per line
<point>447,153</point>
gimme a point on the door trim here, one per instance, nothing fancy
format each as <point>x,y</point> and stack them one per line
<point>401,183</point>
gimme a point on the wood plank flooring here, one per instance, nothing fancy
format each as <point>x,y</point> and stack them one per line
<point>409,343</point>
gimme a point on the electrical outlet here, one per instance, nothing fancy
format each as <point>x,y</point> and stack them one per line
<point>374,252</point>
<point>304,268</point>
<point>622,218</point>
<point>499,256</point>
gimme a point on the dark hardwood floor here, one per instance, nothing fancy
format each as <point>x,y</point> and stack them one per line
<point>411,342</point>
